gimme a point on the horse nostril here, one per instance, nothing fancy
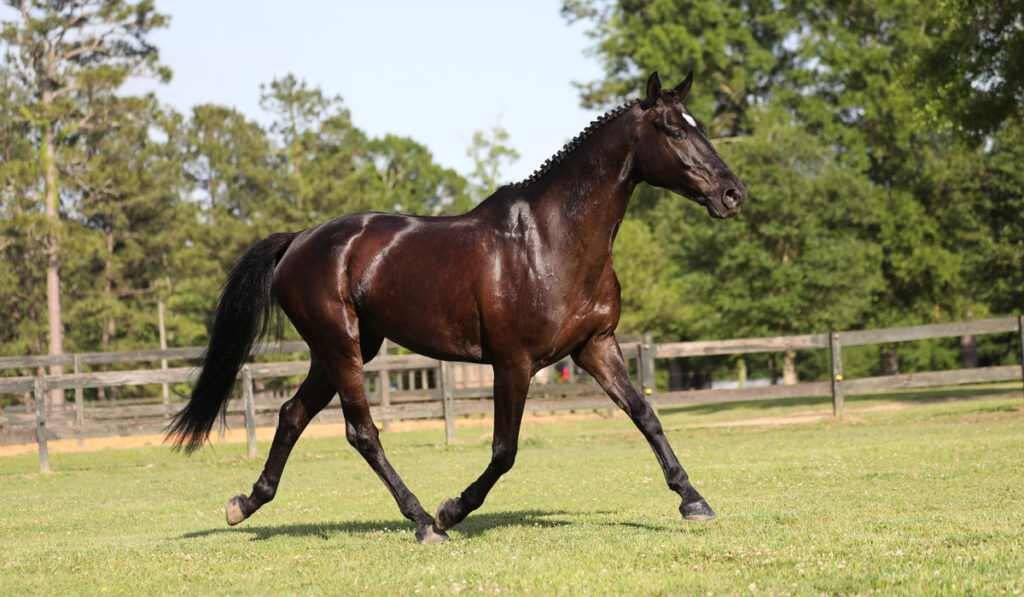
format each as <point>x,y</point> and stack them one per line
<point>732,198</point>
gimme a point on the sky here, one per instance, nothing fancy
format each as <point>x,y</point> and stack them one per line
<point>435,71</point>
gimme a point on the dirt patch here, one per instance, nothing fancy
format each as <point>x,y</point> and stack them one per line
<point>788,419</point>
<point>267,433</point>
<point>817,416</point>
<point>338,429</point>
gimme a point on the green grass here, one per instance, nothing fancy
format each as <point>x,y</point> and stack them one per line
<point>928,499</point>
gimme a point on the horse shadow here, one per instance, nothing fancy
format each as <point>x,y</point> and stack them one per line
<point>474,525</point>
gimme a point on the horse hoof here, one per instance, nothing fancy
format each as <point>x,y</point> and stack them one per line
<point>448,514</point>
<point>699,510</point>
<point>234,511</point>
<point>428,535</point>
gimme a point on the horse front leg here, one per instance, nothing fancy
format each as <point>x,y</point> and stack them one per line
<point>510,387</point>
<point>602,358</point>
<point>313,395</point>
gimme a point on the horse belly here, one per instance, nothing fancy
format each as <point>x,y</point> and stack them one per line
<point>421,297</point>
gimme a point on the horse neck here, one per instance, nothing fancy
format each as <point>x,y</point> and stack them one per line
<point>588,192</point>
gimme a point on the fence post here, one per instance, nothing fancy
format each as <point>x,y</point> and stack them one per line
<point>79,403</point>
<point>448,402</point>
<point>164,387</point>
<point>39,392</point>
<point>384,381</point>
<point>645,362</point>
<point>836,349</point>
<point>1020,330</point>
<point>250,412</point>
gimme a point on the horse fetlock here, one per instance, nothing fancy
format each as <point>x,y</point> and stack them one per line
<point>263,491</point>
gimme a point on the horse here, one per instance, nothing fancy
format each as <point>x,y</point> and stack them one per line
<point>518,282</point>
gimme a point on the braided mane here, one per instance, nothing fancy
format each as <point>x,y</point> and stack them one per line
<point>568,148</point>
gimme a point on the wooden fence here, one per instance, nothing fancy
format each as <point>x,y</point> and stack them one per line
<point>442,398</point>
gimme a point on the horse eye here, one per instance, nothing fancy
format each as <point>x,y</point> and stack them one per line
<point>676,134</point>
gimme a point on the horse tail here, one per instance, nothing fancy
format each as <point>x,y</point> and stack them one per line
<point>245,313</point>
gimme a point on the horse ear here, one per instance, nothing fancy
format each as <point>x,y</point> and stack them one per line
<point>653,88</point>
<point>683,88</point>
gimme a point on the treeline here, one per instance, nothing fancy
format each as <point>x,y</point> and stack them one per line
<point>112,205</point>
<point>881,145</point>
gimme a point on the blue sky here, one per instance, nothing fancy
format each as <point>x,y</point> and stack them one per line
<point>434,71</point>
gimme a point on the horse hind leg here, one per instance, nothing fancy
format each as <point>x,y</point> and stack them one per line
<point>345,367</point>
<point>313,395</point>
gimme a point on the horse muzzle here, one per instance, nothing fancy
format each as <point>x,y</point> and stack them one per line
<point>726,204</point>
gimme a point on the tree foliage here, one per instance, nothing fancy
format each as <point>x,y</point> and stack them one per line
<point>875,139</point>
<point>67,56</point>
<point>880,142</point>
<point>152,205</point>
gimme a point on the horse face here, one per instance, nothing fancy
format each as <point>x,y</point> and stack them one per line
<point>674,152</point>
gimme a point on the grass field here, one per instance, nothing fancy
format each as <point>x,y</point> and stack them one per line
<point>927,499</point>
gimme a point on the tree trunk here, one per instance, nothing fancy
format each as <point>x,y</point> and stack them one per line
<point>789,377</point>
<point>108,329</point>
<point>890,359</point>
<point>773,369</point>
<point>676,375</point>
<point>969,352</point>
<point>53,308</point>
<point>742,372</point>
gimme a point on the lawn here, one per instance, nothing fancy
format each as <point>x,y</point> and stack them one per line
<point>927,499</point>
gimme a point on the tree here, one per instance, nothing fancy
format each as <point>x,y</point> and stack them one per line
<point>985,188</point>
<point>489,152</point>
<point>229,165</point>
<point>129,186</point>
<point>408,180</point>
<point>61,51</point>
<point>896,94</point>
<point>738,48</point>
<point>653,289</point>
<point>22,228</point>
<point>324,172</point>
<point>972,75</point>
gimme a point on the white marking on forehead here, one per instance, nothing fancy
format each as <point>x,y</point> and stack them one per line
<point>689,119</point>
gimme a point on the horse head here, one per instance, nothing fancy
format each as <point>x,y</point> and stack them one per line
<point>674,152</point>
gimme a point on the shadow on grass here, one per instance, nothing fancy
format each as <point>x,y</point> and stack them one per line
<point>475,524</point>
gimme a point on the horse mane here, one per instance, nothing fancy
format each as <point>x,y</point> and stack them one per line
<point>569,147</point>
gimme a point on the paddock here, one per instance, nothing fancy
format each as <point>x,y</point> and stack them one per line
<point>924,498</point>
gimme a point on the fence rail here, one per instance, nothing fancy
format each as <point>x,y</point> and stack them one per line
<point>444,399</point>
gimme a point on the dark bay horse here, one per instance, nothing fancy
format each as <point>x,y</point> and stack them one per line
<point>519,282</point>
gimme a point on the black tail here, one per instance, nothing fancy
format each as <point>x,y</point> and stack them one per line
<point>244,315</point>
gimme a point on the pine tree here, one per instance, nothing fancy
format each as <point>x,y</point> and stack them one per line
<point>63,52</point>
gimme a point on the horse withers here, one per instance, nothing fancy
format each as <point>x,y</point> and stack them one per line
<point>519,282</point>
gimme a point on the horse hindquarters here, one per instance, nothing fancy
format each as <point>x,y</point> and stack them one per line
<point>313,286</point>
